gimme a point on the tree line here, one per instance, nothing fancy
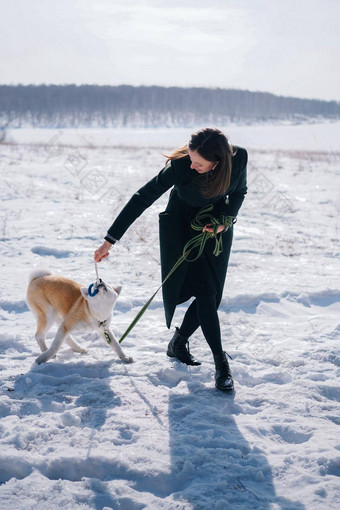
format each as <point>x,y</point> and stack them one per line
<point>148,106</point>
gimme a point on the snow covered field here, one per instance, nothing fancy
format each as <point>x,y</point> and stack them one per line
<point>88,431</point>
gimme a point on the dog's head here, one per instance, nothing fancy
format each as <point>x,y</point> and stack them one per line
<point>101,299</point>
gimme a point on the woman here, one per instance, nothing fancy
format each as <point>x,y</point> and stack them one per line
<point>206,171</point>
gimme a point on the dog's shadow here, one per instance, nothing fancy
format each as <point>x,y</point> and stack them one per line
<point>78,392</point>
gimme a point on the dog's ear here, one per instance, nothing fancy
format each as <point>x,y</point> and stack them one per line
<point>117,289</point>
<point>85,292</point>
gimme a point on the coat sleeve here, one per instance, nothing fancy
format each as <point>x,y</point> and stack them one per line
<point>231,203</point>
<point>141,200</point>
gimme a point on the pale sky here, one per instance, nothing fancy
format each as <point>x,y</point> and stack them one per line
<point>287,47</point>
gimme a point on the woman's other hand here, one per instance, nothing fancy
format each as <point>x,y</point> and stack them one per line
<point>103,251</point>
<point>209,228</point>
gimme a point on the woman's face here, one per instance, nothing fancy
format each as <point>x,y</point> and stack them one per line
<point>201,165</point>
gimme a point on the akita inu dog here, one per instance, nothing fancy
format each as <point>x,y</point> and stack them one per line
<point>52,298</point>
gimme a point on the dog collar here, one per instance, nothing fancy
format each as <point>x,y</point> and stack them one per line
<point>103,325</point>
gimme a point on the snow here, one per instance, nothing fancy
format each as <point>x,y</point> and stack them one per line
<point>88,431</point>
<point>315,135</point>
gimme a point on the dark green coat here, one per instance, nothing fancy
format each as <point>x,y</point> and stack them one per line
<point>185,201</point>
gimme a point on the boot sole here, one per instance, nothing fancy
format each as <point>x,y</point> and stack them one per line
<point>224,389</point>
<point>195,364</point>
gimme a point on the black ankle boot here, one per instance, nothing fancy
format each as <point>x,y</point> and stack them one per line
<point>179,348</point>
<point>223,377</point>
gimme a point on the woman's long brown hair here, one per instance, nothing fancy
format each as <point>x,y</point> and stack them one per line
<point>213,146</point>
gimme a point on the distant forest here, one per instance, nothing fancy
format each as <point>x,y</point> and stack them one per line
<point>59,106</point>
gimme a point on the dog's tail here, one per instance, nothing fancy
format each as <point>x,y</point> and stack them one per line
<point>37,273</point>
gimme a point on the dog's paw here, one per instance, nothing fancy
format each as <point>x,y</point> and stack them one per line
<point>40,359</point>
<point>45,356</point>
<point>81,350</point>
<point>127,359</point>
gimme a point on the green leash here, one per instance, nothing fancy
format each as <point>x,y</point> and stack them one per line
<point>202,218</point>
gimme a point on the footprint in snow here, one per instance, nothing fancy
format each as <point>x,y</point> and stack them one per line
<point>44,251</point>
<point>292,436</point>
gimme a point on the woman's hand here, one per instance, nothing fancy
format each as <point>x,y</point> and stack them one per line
<point>209,228</point>
<point>103,251</point>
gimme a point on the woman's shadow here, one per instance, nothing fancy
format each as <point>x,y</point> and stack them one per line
<point>213,465</point>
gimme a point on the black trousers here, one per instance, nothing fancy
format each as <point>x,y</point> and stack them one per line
<point>203,312</point>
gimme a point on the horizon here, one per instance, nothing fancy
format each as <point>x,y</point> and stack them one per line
<point>164,87</point>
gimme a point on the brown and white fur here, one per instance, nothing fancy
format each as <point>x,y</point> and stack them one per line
<point>53,298</point>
